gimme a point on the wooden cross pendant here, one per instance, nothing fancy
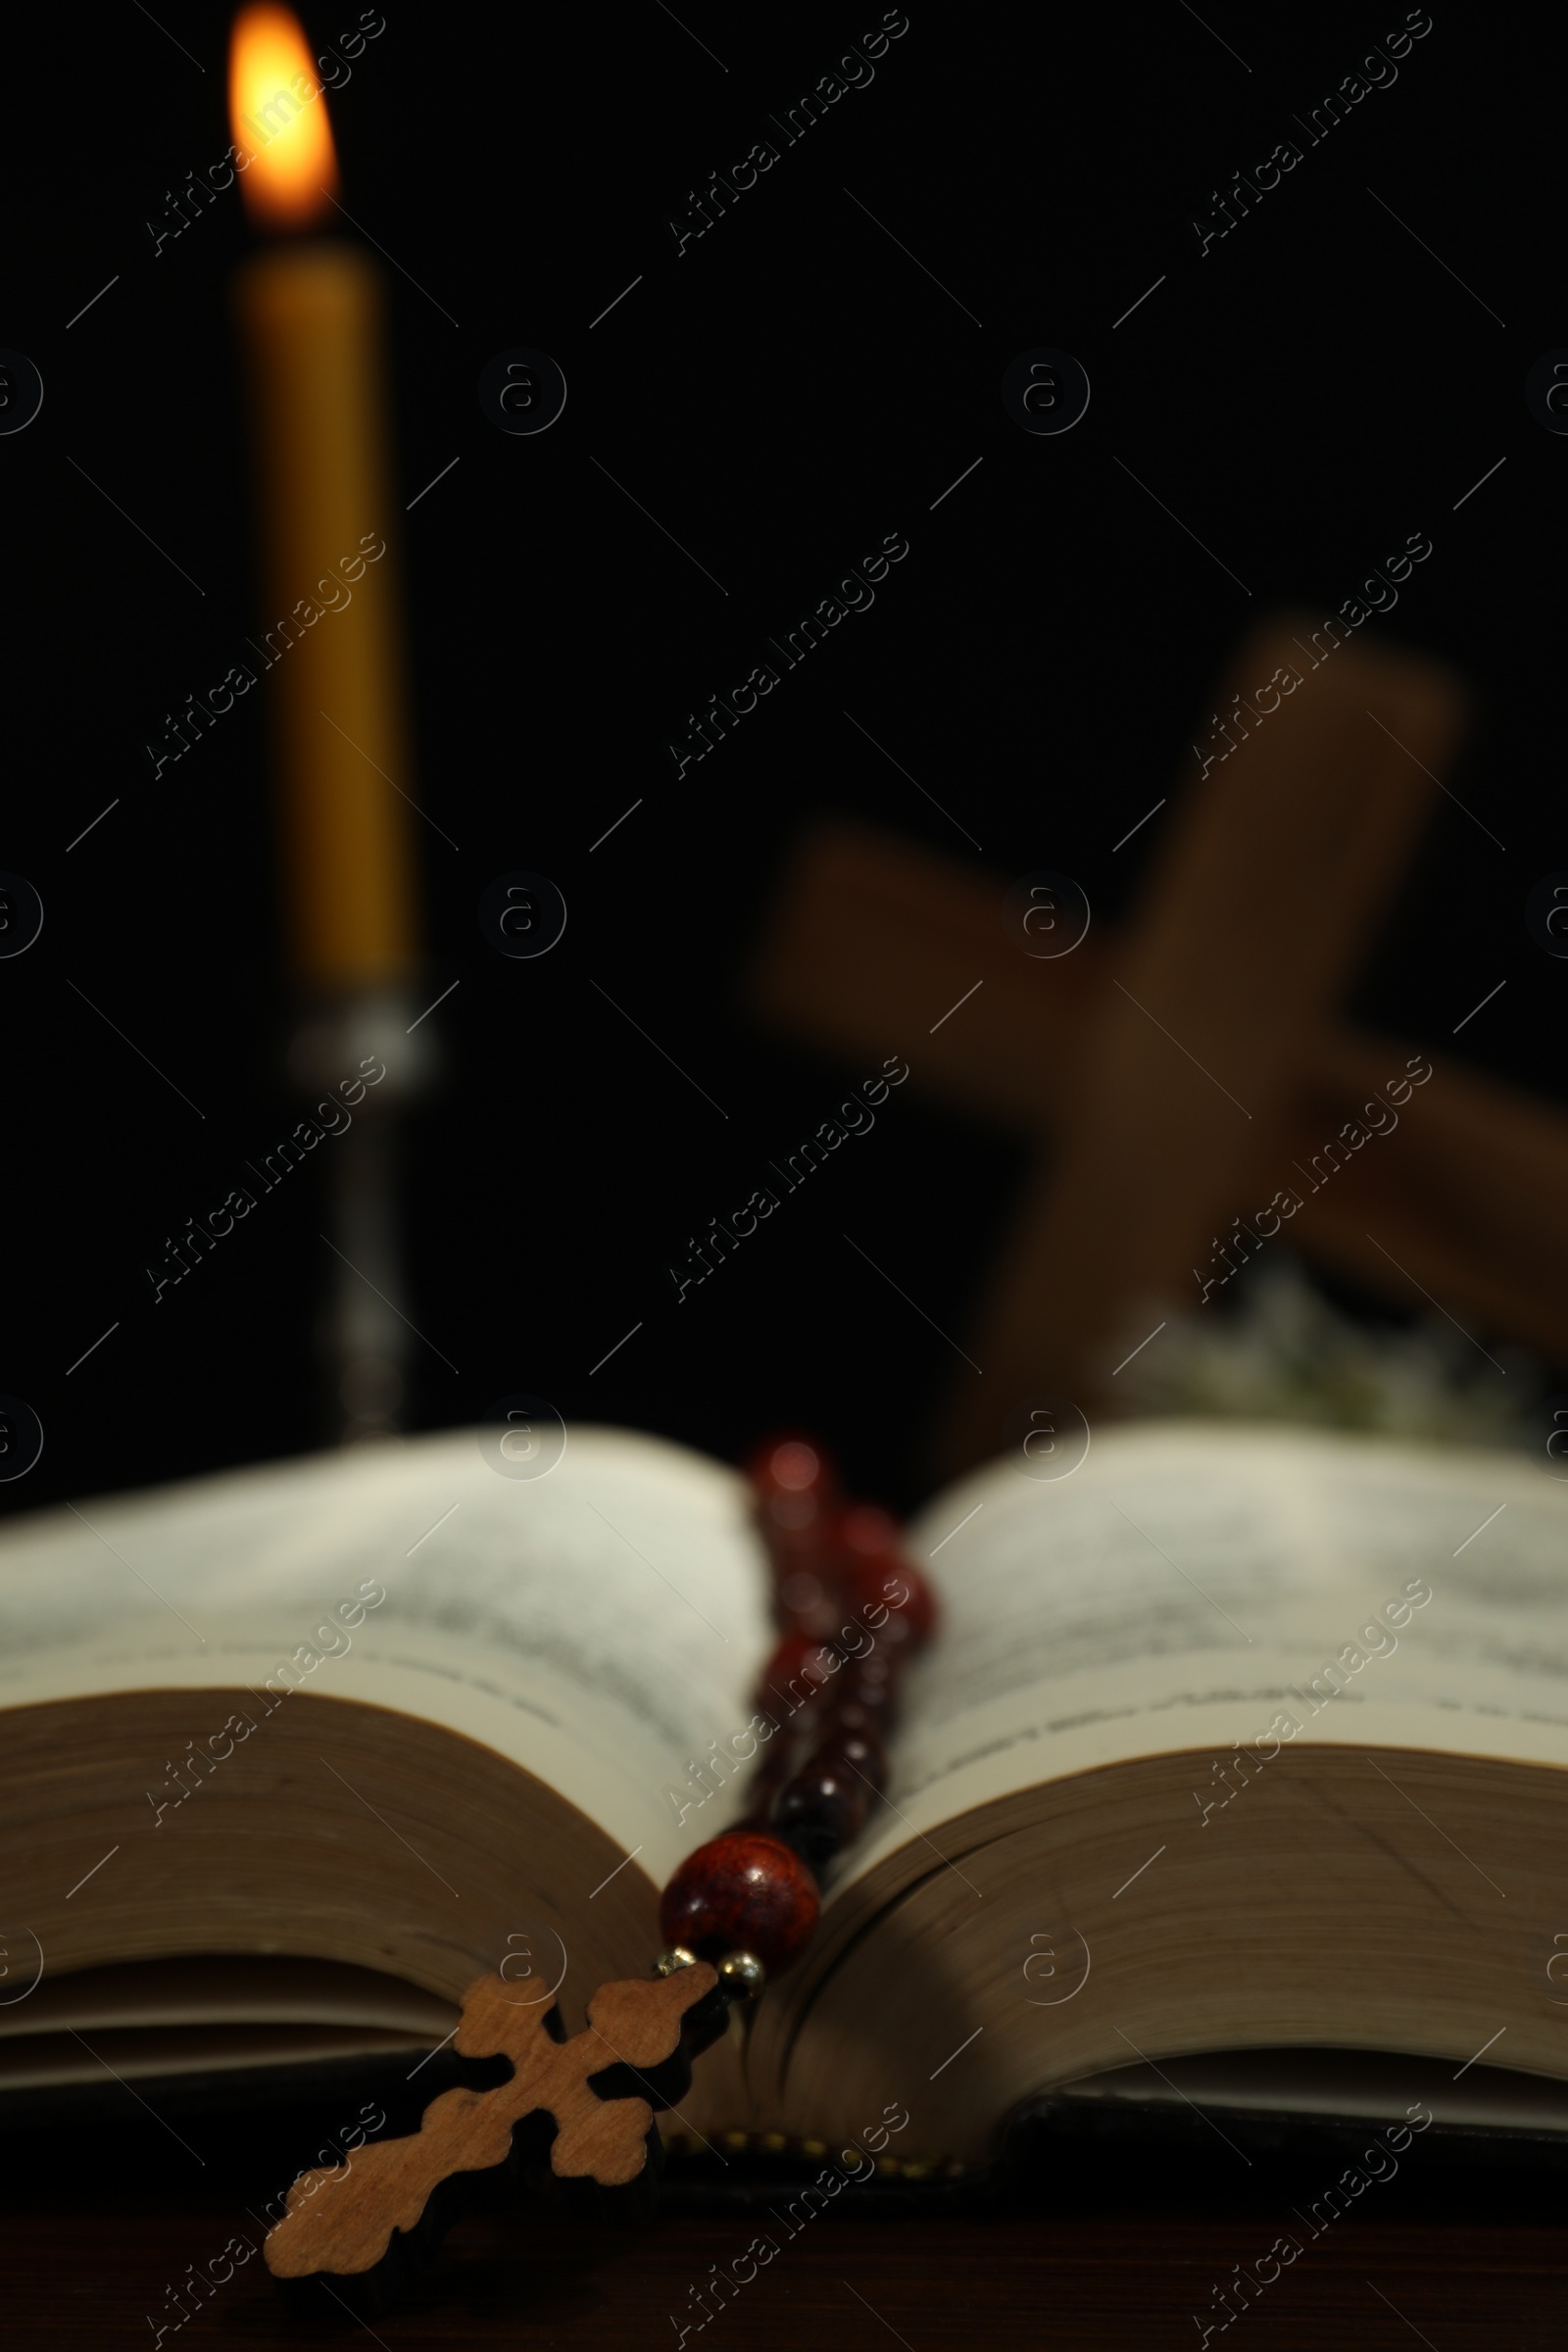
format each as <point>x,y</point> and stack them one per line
<point>355,2233</point>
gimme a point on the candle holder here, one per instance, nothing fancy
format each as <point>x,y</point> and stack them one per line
<point>310,310</point>
<point>362,1336</point>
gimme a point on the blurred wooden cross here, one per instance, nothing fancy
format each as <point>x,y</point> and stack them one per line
<point>1188,1068</point>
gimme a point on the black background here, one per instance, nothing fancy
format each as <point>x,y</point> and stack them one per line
<point>790,389</point>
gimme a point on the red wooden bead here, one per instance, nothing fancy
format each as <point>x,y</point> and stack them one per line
<point>921,1612</point>
<point>804,1601</point>
<point>865,1530</point>
<point>792,1464</point>
<point>896,1640</point>
<point>888,1648</point>
<point>800,1659</point>
<point>877,1582</point>
<point>741,1892</point>
<point>788,1519</point>
<point>849,1720</point>
<point>870,1686</point>
<point>860,1544</point>
<point>796,1485</point>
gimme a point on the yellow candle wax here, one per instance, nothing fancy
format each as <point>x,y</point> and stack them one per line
<point>310,319</point>
<point>310,311</point>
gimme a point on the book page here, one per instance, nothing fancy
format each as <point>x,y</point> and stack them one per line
<point>1189,1581</point>
<point>598,1625</point>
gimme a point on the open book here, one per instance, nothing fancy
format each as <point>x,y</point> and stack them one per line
<point>1232,1739</point>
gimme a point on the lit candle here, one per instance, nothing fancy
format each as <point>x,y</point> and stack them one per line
<point>310,315</point>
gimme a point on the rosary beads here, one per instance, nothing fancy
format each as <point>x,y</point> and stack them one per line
<point>851,1613</point>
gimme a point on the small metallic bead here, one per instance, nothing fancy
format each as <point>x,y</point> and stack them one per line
<point>743,1973</point>
<point>676,1957</point>
<point>775,2143</point>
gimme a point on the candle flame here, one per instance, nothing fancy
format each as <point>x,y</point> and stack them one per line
<point>277,112</point>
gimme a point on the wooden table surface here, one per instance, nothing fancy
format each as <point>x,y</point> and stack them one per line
<point>96,2225</point>
<point>88,2272</point>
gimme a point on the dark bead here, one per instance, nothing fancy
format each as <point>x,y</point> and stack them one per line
<point>851,1719</point>
<point>793,1551</point>
<point>920,1612</point>
<point>885,1662</point>
<point>869,1684</point>
<point>852,1729</point>
<point>787,1518</point>
<point>822,1808</point>
<point>861,1582</point>
<point>804,1601</point>
<point>807,1726</point>
<point>864,1756</point>
<point>773,1768</point>
<point>885,1649</point>
<point>741,1892</point>
<point>897,1641</point>
<point>864,1530</point>
<point>792,1464</point>
<point>801,1659</point>
<point>878,1584</point>
<point>845,1715</point>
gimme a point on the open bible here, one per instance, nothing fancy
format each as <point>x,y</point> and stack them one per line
<point>1234,1740</point>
